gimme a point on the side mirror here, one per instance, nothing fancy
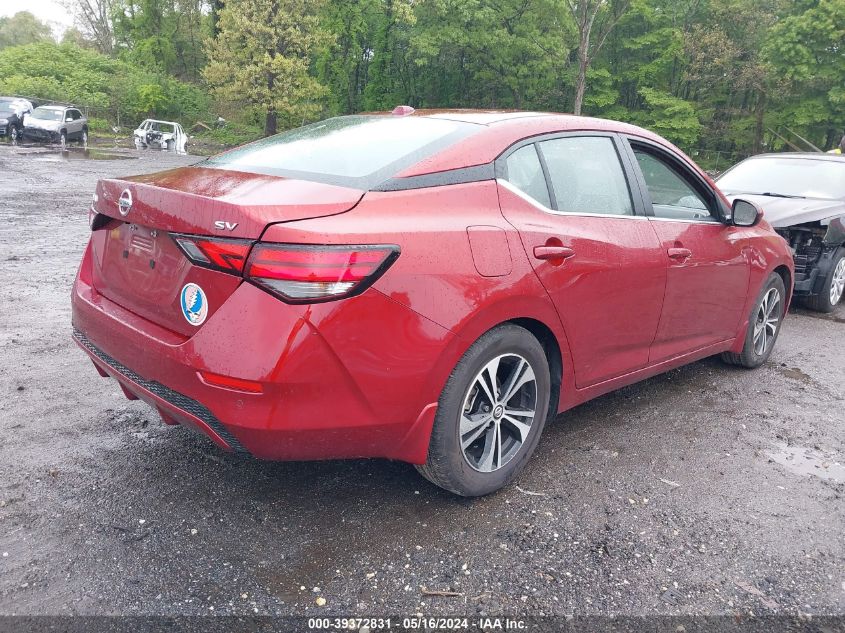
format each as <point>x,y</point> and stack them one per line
<point>69,119</point>
<point>745,213</point>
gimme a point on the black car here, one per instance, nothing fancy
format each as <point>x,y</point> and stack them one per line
<point>12,111</point>
<point>803,198</point>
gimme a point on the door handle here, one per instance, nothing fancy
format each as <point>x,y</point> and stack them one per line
<point>553,252</point>
<point>679,253</point>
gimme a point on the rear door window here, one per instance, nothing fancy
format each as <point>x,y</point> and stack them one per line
<point>526,174</point>
<point>357,151</point>
<point>587,176</point>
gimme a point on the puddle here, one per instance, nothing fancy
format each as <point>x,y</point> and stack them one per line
<point>805,461</point>
<point>795,374</point>
<point>59,155</point>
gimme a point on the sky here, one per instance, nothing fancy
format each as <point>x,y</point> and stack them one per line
<point>49,11</point>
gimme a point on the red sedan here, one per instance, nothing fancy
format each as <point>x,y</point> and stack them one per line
<point>423,286</point>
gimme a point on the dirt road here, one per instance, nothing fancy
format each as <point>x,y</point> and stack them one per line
<point>708,490</point>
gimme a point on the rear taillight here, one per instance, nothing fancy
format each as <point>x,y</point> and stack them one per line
<point>298,273</point>
<point>228,255</point>
<point>295,273</point>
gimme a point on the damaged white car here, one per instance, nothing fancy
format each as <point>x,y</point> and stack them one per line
<point>161,135</point>
<point>803,198</point>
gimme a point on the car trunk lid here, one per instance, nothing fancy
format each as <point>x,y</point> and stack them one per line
<point>138,265</point>
<point>193,199</point>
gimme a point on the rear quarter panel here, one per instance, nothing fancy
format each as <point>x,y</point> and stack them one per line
<point>436,276</point>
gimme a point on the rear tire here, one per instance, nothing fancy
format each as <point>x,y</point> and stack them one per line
<point>763,326</point>
<point>832,289</point>
<point>485,433</point>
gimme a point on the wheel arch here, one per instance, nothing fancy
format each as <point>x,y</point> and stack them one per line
<point>532,313</point>
<point>783,271</point>
<point>537,315</point>
<point>551,347</point>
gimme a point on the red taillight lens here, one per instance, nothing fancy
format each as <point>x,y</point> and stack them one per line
<point>228,255</point>
<point>299,273</point>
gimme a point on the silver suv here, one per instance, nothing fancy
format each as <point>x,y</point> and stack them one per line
<point>56,124</point>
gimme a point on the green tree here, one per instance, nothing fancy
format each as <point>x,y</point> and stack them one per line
<point>105,87</point>
<point>594,21</point>
<point>262,56</point>
<point>805,49</point>
<point>163,35</point>
<point>94,18</point>
<point>489,53</point>
<point>23,28</point>
<point>343,66</point>
<point>392,80</point>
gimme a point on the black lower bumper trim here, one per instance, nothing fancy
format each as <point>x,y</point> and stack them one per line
<point>181,402</point>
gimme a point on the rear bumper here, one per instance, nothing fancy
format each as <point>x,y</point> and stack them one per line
<point>173,407</point>
<point>338,380</point>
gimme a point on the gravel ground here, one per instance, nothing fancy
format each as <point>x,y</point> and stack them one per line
<point>707,490</point>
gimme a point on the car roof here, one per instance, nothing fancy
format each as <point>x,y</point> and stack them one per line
<point>479,117</point>
<point>801,155</point>
<point>52,107</point>
<point>503,128</point>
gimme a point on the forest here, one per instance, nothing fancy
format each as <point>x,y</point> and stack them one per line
<point>721,78</point>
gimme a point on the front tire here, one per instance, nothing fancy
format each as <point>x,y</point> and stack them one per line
<point>763,325</point>
<point>14,134</point>
<point>833,287</point>
<point>491,413</point>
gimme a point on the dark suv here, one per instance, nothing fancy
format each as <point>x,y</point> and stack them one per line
<point>12,111</point>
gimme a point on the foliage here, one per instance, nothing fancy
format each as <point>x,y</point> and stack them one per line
<point>669,116</point>
<point>231,134</point>
<point>262,57</point>
<point>22,28</point>
<point>724,78</point>
<point>805,50</point>
<point>162,35</point>
<point>105,86</point>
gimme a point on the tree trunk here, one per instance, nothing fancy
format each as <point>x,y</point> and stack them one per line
<point>270,122</point>
<point>758,130</point>
<point>581,83</point>
<point>216,8</point>
<point>271,119</point>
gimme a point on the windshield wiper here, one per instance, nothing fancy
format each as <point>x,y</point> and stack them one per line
<point>780,195</point>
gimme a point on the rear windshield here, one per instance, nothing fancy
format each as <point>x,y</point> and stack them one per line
<point>358,151</point>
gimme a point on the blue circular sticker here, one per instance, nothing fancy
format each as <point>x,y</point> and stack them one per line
<point>194,304</point>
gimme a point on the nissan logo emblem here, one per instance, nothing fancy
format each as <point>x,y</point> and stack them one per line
<point>124,203</point>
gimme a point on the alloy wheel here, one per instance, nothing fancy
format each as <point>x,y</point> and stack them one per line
<point>766,322</point>
<point>837,284</point>
<point>499,409</point>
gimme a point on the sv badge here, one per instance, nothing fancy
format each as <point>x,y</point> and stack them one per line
<point>220,225</point>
